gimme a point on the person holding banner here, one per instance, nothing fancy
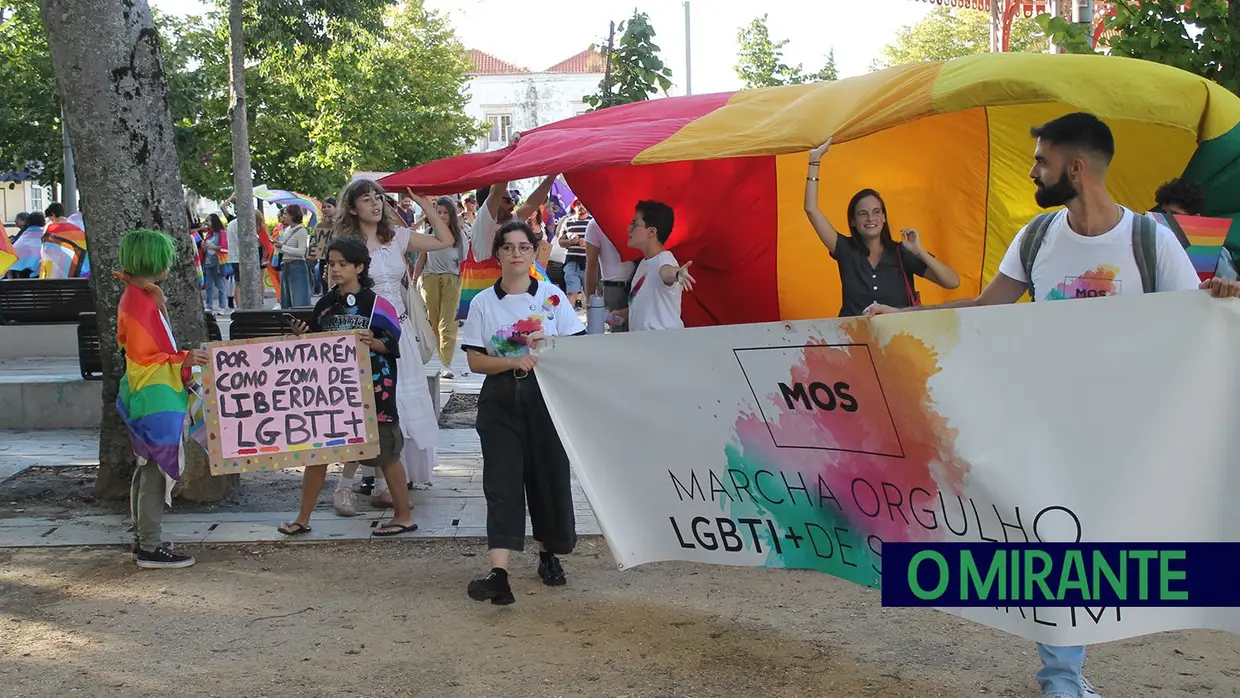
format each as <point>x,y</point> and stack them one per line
<point>352,304</point>
<point>365,213</point>
<point>1180,197</point>
<point>1092,247</point>
<point>522,457</point>
<point>873,267</point>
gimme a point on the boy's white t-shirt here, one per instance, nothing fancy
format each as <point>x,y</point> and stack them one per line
<point>653,305</point>
<point>499,323</point>
<point>1070,265</point>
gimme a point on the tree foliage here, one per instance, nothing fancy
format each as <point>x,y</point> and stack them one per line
<point>947,33</point>
<point>29,103</point>
<point>760,60</point>
<point>1202,37</point>
<point>373,90</point>
<point>636,70</point>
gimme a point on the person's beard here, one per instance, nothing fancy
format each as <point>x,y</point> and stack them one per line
<point>1057,194</point>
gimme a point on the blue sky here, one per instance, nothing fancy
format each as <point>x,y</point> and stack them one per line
<point>539,33</point>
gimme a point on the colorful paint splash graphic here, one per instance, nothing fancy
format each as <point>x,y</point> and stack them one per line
<point>900,456</point>
<point>1094,283</point>
<point>514,339</point>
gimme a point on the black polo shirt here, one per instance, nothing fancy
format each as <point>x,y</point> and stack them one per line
<point>862,284</point>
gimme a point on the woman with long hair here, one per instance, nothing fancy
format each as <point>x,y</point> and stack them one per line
<point>364,212</point>
<point>873,267</point>
<point>440,272</point>
<point>214,242</point>
<point>294,247</point>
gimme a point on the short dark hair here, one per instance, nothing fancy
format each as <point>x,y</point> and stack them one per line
<point>55,209</point>
<point>1080,131</point>
<point>330,200</point>
<point>659,216</point>
<point>295,212</point>
<point>354,252</point>
<point>509,227</point>
<point>1186,193</point>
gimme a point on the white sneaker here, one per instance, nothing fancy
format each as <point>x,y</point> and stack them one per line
<point>344,503</point>
<point>1087,689</point>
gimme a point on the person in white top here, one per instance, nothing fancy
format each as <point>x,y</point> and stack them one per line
<point>1094,247</point>
<point>654,301</point>
<point>365,213</point>
<point>606,272</point>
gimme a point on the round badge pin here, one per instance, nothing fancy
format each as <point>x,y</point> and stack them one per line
<point>351,300</point>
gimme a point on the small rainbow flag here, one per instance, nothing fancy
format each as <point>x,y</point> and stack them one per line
<point>1202,237</point>
<point>478,276</point>
<point>152,399</point>
<point>383,317</point>
<point>8,255</point>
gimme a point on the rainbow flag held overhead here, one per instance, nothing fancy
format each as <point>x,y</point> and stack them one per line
<point>1202,237</point>
<point>153,400</point>
<point>282,197</point>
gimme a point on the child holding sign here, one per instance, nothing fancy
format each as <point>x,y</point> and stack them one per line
<point>152,400</point>
<point>352,305</point>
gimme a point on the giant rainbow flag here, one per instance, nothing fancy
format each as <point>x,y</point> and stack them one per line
<point>152,399</point>
<point>946,143</point>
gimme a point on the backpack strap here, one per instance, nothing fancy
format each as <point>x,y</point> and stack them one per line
<point>1031,242</point>
<point>1145,251</point>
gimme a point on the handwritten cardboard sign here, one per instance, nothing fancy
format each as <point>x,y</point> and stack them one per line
<point>288,402</point>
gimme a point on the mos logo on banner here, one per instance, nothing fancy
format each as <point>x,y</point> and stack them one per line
<point>825,397</point>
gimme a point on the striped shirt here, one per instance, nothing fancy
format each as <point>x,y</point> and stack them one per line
<point>576,227</point>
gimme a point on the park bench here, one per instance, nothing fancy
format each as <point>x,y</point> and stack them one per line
<point>44,301</point>
<point>90,359</point>
<point>255,324</point>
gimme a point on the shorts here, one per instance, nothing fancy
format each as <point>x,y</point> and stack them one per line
<point>391,443</point>
<point>574,276</point>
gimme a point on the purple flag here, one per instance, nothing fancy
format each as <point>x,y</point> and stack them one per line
<point>560,199</point>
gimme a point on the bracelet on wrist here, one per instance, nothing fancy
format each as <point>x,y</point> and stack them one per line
<point>813,163</point>
<point>811,179</point>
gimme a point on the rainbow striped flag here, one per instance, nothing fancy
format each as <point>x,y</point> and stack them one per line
<point>478,276</point>
<point>1202,237</point>
<point>8,255</point>
<point>152,400</point>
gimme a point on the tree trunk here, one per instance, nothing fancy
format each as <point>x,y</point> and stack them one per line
<point>249,274</point>
<point>107,61</point>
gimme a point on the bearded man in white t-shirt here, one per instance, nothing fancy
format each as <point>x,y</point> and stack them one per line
<point>1092,247</point>
<point>654,298</point>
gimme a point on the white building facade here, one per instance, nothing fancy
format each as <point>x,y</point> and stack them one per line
<point>515,99</point>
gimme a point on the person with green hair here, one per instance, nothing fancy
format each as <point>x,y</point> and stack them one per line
<point>152,401</point>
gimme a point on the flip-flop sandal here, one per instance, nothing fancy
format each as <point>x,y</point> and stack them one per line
<point>293,529</point>
<point>397,529</point>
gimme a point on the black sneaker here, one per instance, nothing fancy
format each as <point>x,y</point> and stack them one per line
<point>494,587</point>
<point>551,572</point>
<point>163,558</point>
<point>134,555</point>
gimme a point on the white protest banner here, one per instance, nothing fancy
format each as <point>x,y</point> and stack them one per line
<point>808,444</point>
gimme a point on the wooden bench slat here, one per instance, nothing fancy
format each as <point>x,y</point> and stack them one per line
<point>44,301</point>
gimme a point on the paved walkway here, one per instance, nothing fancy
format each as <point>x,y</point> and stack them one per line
<point>453,508</point>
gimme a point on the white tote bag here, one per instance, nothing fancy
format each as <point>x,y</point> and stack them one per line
<point>420,320</point>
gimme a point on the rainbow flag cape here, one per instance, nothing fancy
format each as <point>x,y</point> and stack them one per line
<point>478,276</point>
<point>29,250</point>
<point>383,316</point>
<point>153,399</point>
<point>1202,237</point>
<point>63,250</point>
<point>8,255</point>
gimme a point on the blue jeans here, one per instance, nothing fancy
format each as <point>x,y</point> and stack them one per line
<point>216,287</point>
<point>294,283</point>
<point>1060,675</point>
<point>574,276</point>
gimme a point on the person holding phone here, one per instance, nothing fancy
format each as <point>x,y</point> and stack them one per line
<point>349,306</point>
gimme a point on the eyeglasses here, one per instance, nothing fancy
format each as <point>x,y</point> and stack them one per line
<point>633,225</point>
<point>510,249</point>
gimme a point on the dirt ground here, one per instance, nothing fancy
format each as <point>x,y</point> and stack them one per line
<point>392,619</point>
